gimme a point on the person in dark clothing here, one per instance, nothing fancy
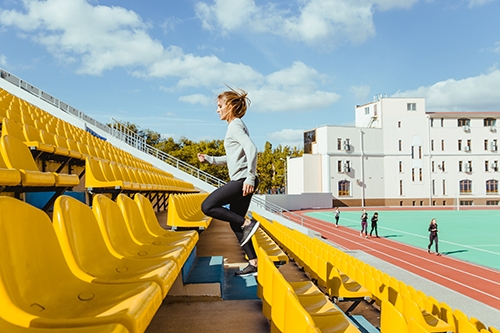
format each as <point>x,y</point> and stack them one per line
<point>364,224</point>
<point>337,216</point>
<point>433,236</point>
<point>374,224</point>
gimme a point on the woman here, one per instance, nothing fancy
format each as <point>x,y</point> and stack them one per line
<point>364,224</point>
<point>433,236</point>
<point>241,160</point>
<point>374,224</point>
<point>337,216</point>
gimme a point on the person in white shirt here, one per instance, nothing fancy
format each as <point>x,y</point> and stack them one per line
<point>241,160</point>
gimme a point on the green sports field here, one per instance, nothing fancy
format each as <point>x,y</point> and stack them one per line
<point>471,235</point>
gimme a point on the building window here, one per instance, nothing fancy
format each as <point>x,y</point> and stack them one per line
<point>433,187</point>
<point>488,122</point>
<point>412,152</point>
<point>494,166</point>
<point>468,167</point>
<point>442,166</point>
<point>463,122</point>
<point>459,145</point>
<point>344,188</point>
<point>399,124</point>
<point>444,188</point>
<point>442,122</point>
<point>466,186</point>
<point>419,152</point>
<point>432,122</point>
<point>400,187</point>
<point>411,106</point>
<point>339,166</point>
<point>492,202</point>
<point>486,166</point>
<point>309,139</point>
<point>400,145</point>
<point>412,174</point>
<point>400,166</point>
<point>466,202</point>
<point>339,144</point>
<point>460,166</point>
<point>432,145</point>
<point>432,166</point>
<point>442,145</point>
<point>485,144</point>
<point>367,110</point>
<point>420,174</point>
<point>469,145</point>
<point>492,186</point>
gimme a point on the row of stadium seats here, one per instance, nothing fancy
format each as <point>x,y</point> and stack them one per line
<point>297,306</point>
<point>346,278</point>
<point>100,269</point>
<point>184,211</point>
<point>56,145</point>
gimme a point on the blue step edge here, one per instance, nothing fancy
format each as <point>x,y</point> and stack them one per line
<point>363,325</point>
<point>203,270</point>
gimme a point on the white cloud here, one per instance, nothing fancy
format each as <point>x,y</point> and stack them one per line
<point>3,60</point>
<point>118,37</point>
<point>197,99</point>
<point>98,37</point>
<point>315,21</point>
<point>360,92</point>
<point>288,137</point>
<point>478,3</point>
<point>479,93</point>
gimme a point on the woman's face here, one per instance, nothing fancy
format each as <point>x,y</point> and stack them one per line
<point>223,110</point>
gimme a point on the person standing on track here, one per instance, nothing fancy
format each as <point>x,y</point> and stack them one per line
<point>364,223</point>
<point>374,224</point>
<point>241,160</point>
<point>433,236</point>
<point>337,216</point>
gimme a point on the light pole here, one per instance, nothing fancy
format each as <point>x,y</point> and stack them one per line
<point>285,164</point>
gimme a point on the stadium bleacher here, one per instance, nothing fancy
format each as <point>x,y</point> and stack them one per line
<point>108,268</point>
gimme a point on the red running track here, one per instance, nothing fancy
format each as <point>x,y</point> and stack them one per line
<point>477,282</point>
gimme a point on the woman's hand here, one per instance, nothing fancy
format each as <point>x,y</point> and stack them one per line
<point>247,189</point>
<point>201,157</point>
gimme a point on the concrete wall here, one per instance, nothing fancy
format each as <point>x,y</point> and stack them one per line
<point>301,201</point>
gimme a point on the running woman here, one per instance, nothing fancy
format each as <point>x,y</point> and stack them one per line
<point>433,236</point>
<point>241,160</point>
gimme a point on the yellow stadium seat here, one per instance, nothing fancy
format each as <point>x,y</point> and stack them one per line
<point>34,141</point>
<point>493,330</point>
<point>18,156</point>
<point>37,288</point>
<point>415,327</point>
<point>336,287</point>
<point>8,176</point>
<point>133,218</point>
<point>151,221</point>
<point>118,236</point>
<point>183,213</point>
<point>297,319</point>
<point>391,320</point>
<point>428,321</point>
<point>94,177</point>
<point>74,222</point>
<point>8,327</point>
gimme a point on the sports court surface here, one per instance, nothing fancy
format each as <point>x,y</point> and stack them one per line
<point>470,235</point>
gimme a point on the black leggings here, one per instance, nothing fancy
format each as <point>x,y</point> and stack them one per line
<point>374,227</point>
<point>231,194</point>
<point>433,237</point>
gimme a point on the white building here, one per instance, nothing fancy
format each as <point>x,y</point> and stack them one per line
<point>400,155</point>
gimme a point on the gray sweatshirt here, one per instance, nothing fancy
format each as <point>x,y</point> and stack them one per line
<point>241,153</point>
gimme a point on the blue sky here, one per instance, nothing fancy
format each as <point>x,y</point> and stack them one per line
<point>304,63</point>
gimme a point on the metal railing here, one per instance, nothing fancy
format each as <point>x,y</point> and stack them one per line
<point>124,134</point>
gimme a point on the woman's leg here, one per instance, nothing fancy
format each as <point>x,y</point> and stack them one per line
<point>436,240</point>
<point>240,207</point>
<point>225,195</point>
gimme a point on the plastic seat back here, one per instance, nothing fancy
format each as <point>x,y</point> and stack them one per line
<point>391,320</point>
<point>148,215</point>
